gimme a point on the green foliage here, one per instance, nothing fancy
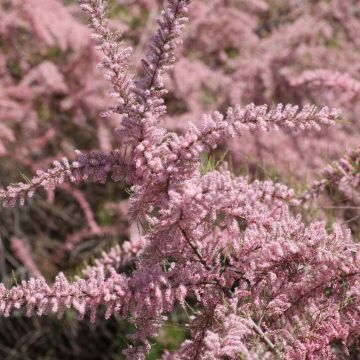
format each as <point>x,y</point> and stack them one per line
<point>211,162</point>
<point>171,335</point>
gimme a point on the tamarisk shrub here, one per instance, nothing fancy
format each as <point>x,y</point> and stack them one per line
<point>261,284</point>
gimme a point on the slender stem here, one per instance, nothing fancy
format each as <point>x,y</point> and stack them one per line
<point>263,336</point>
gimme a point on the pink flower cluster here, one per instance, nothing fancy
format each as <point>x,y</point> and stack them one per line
<point>260,282</point>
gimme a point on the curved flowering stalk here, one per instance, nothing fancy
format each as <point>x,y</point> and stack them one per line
<point>343,174</point>
<point>83,294</point>
<point>116,56</point>
<point>87,167</point>
<point>161,55</point>
<point>328,78</point>
<point>252,118</point>
<point>149,90</point>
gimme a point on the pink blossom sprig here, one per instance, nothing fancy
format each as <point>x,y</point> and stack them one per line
<point>149,90</point>
<point>94,166</point>
<point>161,56</point>
<point>83,295</point>
<point>115,60</point>
<point>328,78</point>
<point>252,118</point>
